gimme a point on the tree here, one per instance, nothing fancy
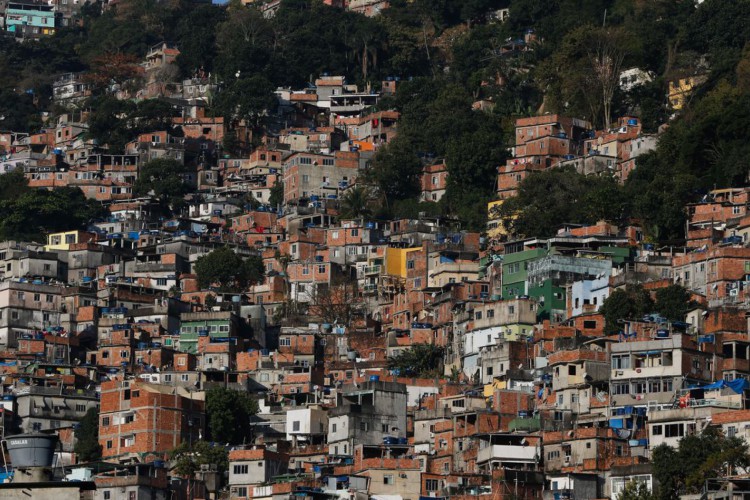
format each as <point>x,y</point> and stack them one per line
<point>336,303</point>
<point>87,447</point>
<point>248,99</point>
<point>635,490</point>
<point>673,302</point>
<point>547,199</point>
<point>698,457</point>
<point>228,413</point>
<point>113,68</point>
<point>162,179</point>
<point>276,198</point>
<point>13,185</point>
<point>396,170</point>
<point>227,270</point>
<point>631,303</point>
<point>355,204</point>
<point>34,213</point>
<point>188,458</point>
<point>607,54</point>
<point>420,360</point>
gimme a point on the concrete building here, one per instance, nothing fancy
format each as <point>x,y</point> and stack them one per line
<point>365,414</point>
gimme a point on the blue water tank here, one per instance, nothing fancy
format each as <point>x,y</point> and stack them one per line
<point>633,122</point>
<point>374,378</point>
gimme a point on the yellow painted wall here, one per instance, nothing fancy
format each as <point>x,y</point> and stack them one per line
<point>62,245</point>
<point>395,260</point>
<point>489,389</point>
<point>495,228</point>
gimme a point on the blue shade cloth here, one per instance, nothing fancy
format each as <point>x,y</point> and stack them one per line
<point>737,385</point>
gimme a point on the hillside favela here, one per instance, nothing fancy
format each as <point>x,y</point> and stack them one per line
<point>375,249</point>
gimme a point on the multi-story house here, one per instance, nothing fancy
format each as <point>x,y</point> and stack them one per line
<point>30,19</point>
<point>254,466</point>
<point>365,414</point>
<point>43,409</point>
<point>137,418</point>
<point>26,308</point>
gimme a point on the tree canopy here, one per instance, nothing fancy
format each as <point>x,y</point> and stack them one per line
<point>34,213</point>
<point>420,360</point>
<point>228,414</point>
<point>229,271</point>
<point>163,179</point>
<point>632,302</point>
<point>87,447</point>
<point>705,455</point>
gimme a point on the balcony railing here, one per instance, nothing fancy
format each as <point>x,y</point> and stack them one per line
<point>369,270</point>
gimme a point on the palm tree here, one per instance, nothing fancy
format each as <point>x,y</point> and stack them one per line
<point>355,204</point>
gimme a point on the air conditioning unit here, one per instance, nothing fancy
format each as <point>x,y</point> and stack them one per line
<point>402,475</point>
<point>566,460</point>
<point>619,373</point>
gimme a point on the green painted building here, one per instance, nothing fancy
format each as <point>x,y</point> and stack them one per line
<point>515,273</point>
<point>215,325</point>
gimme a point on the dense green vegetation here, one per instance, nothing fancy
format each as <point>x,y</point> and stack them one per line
<point>29,214</point>
<point>228,412</point>
<point>87,447</point>
<point>633,302</point>
<point>698,457</point>
<point>420,360</point>
<point>229,271</point>
<point>448,55</point>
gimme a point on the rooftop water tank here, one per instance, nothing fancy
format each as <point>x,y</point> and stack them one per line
<point>32,450</point>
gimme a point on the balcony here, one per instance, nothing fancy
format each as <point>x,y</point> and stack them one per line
<point>371,270</point>
<point>508,453</point>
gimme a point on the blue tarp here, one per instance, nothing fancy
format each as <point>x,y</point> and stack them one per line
<point>737,385</point>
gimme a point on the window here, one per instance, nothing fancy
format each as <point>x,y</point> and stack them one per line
<point>388,479</point>
<point>37,297</point>
<point>364,426</point>
<point>107,495</point>
<point>285,342</point>
<point>241,469</point>
<point>431,484</point>
<point>161,281</point>
<point>321,269</point>
<point>295,426</point>
<point>621,362</point>
<point>80,408</point>
<point>49,298</point>
<point>656,430</point>
<point>674,430</point>
<point>105,421</point>
<point>621,388</point>
<point>333,428</point>
<point>409,264</point>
